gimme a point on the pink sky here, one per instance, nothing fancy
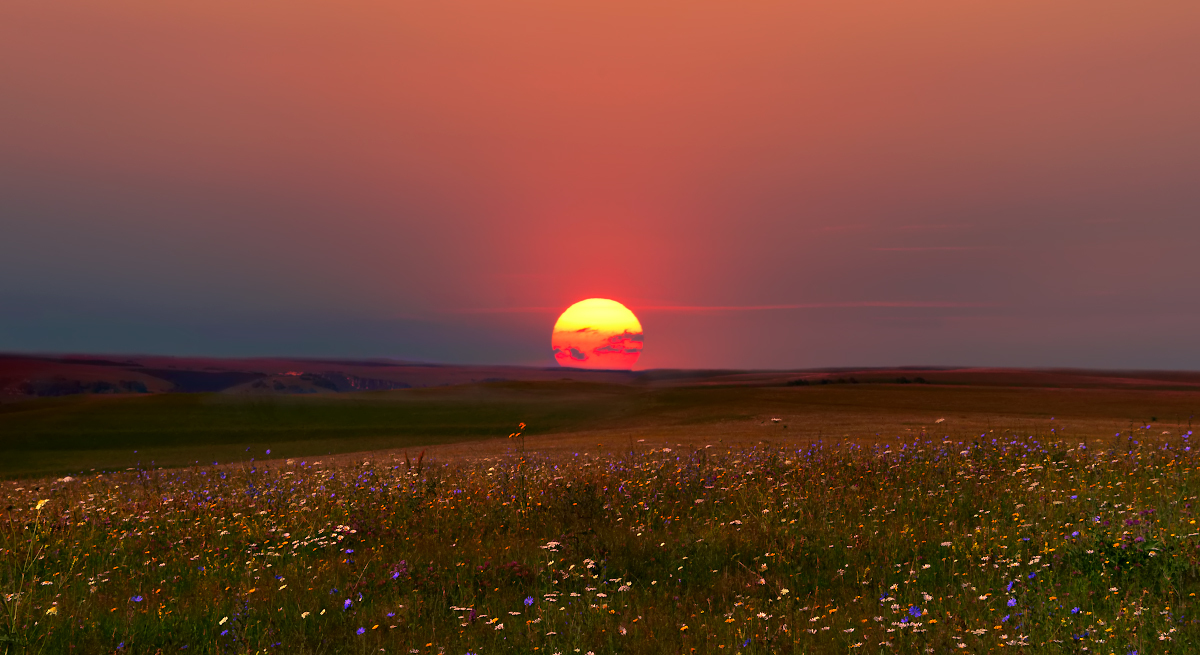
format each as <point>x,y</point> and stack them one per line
<point>768,184</point>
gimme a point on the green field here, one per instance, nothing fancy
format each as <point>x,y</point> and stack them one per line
<point>629,518</point>
<point>920,545</point>
<point>74,434</point>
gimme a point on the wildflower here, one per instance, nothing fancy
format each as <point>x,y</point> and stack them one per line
<point>528,601</point>
<point>346,605</point>
<point>41,504</point>
<point>304,615</point>
<point>361,630</point>
<point>52,611</point>
<point>914,611</point>
<point>1075,610</point>
<point>223,620</point>
<point>135,599</point>
<point>1012,602</point>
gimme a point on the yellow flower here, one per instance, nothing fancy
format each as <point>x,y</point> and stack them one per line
<point>53,610</point>
<point>41,504</point>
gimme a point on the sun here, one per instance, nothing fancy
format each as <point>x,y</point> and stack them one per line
<point>597,333</point>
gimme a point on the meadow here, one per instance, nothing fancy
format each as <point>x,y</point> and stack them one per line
<point>928,541</point>
<point>89,433</point>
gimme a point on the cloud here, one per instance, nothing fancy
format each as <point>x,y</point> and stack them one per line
<point>850,304</point>
<point>572,352</point>
<point>932,248</point>
<point>897,304</point>
<point>626,343</point>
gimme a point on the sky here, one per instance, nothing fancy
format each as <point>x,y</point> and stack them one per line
<point>772,184</point>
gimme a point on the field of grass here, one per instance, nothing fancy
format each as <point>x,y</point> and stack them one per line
<point>70,435</point>
<point>934,541</point>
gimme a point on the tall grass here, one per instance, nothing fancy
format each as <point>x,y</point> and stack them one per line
<point>919,545</point>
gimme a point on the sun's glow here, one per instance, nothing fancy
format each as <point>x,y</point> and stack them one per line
<point>597,333</point>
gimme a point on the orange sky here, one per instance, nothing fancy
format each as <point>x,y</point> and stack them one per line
<point>920,182</point>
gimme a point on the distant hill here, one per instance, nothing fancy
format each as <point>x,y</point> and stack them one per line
<point>23,376</point>
<point>27,376</point>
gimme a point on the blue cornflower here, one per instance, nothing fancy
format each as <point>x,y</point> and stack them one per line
<point>224,632</point>
<point>914,611</point>
<point>1010,584</point>
<point>346,605</point>
<point>528,601</point>
<point>1012,602</point>
<point>361,630</point>
<point>1032,575</point>
<point>1075,533</point>
<point>135,599</point>
<point>1005,618</point>
<point>395,574</point>
<point>349,551</point>
<point>1075,610</point>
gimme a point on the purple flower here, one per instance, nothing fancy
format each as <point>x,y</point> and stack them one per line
<point>1032,575</point>
<point>346,605</point>
<point>915,611</point>
<point>528,601</point>
<point>135,599</point>
<point>1075,533</point>
<point>224,632</point>
<point>1012,602</point>
<point>395,574</point>
<point>349,551</point>
<point>1075,610</point>
<point>361,630</point>
<point>268,451</point>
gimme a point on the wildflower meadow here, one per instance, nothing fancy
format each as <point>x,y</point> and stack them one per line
<point>990,542</point>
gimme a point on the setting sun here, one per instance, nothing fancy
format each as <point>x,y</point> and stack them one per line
<point>597,333</point>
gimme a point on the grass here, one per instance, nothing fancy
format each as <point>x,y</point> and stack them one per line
<point>57,436</point>
<point>79,433</point>
<point>946,541</point>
